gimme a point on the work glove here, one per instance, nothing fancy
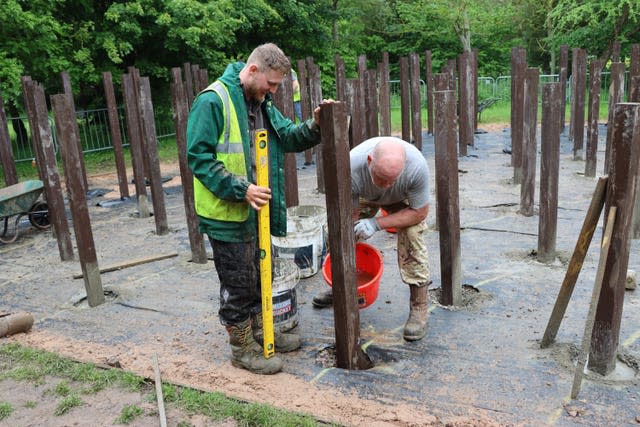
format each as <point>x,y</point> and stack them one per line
<point>365,228</point>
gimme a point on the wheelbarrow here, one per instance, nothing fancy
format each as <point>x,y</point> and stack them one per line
<point>19,200</point>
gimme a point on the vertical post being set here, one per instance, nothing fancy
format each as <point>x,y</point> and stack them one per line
<point>6,151</point>
<point>334,137</point>
<point>429,89</point>
<point>518,65</point>
<point>405,99</point>
<point>577,118</point>
<point>448,212</point>
<point>385,95</point>
<point>549,171</point>
<point>39,120</point>
<point>529,145</point>
<point>564,70</point>
<point>416,105</point>
<point>180,118</point>
<point>116,135</point>
<point>616,96</point>
<point>593,115</point>
<point>623,174</point>
<point>465,93</point>
<point>67,132</point>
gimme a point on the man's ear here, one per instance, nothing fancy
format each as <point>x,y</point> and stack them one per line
<point>369,159</point>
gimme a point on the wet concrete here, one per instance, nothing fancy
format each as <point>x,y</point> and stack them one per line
<point>481,357</point>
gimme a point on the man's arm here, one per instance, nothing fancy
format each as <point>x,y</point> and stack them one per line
<point>403,218</point>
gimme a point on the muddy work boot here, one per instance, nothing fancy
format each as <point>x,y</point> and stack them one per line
<point>323,299</point>
<point>246,353</point>
<point>285,342</point>
<point>416,326</point>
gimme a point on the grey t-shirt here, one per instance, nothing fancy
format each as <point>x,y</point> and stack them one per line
<point>411,186</point>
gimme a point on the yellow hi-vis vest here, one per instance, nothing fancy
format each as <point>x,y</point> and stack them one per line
<point>230,152</point>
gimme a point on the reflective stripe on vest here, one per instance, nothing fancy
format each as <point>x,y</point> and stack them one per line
<point>230,152</point>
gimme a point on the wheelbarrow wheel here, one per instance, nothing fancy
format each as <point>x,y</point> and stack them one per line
<point>39,216</point>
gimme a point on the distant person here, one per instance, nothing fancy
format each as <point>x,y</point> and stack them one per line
<point>296,95</point>
<point>220,152</point>
<point>389,173</point>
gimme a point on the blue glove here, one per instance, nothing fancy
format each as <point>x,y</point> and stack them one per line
<point>365,228</point>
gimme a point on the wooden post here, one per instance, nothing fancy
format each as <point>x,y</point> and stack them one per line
<point>429,89</point>
<point>594,115</point>
<point>518,65</point>
<point>33,124</point>
<point>188,82</point>
<point>362,82</point>
<point>35,97</point>
<point>195,77</point>
<point>116,136</point>
<point>405,100</point>
<point>180,118</point>
<point>351,93</point>
<point>635,60</point>
<point>340,77</point>
<point>580,79</point>
<point>67,88</point>
<point>204,78</point>
<point>623,174</point>
<point>150,145</point>
<point>616,95</point>
<point>346,314</point>
<point>305,103</point>
<point>474,82</point>
<point>385,95</point>
<point>441,82</point>
<point>564,69</point>
<point>416,105</point>
<point>135,145</point>
<point>448,211</point>
<point>465,121</point>
<point>615,51</point>
<point>283,99</point>
<point>634,89</point>
<point>575,264</point>
<point>574,71</point>
<point>529,145</point>
<point>315,90</point>
<point>371,99</point>
<point>67,132</point>
<point>549,171</point>
<point>6,151</point>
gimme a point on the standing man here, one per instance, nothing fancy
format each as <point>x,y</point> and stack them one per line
<point>390,173</point>
<point>221,153</point>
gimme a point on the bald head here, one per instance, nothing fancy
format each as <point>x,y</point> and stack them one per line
<point>386,162</point>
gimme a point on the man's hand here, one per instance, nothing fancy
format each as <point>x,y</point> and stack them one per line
<point>316,111</point>
<point>257,197</point>
<point>365,228</point>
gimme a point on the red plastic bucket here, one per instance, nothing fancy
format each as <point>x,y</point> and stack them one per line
<point>390,229</point>
<point>369,267</point>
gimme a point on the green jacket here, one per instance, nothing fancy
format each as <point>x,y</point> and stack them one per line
<point>204,127</point>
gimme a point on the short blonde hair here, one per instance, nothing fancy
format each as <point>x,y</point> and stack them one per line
<point>269,56</point>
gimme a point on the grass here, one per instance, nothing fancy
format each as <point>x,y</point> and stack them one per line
<point>25,364</point>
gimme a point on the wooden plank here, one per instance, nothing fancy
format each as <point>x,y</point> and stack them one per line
<point>362,104</point>
<point>351,89</point>
<point>9,170</point>
<point>465,122</point>
<point>188,84</point>
<point>616,95</point>
<point>315,91</point>
<point>518,66</point>
<point>66,130</point>
<point>549,171</point>
<point>35,136</point>
<point>564,70</point>
<point>67,89</point>
<point>575,264</point>
<point>349,355</point>
<point>529,144</point>
<point>416,105</point>
<point>283,100</point>
<point>159,397</point>
<point>625,154</point>
<point>385,95</point>
<point>180,117</point>
<point>574,79</point>
<point>474,82</point>
<point>371,102</point>
<point>594,116</point>
<point>577,118</point>
<point>429,89</point>
<point>116,136</point>
<point>131,263</point>
<point>448,211</point>
<point>635,62</point>
<point>405,99</point>
<point>305,102</point>
<point>340,77</point>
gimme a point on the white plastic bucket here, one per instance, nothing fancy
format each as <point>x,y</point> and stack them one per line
<point>283,294</point>
<point>305,240</point>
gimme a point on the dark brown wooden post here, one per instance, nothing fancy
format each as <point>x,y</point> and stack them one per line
<point>448,211</point>
<point>6,151</point>
<point>180,118</point>
<point>615,51</point>
<point>634,89</point>
<point>529,145</point>
<point>405,101</point>
<point>150,144</point>
<point>623,174</point>
<point>47,157</point>
<point>442,82</point>
<point>315,90</point>
<point>429,89</point>
<point>349,355</point>
<point>465,93</point>
<point>204,78</point>
<point>564,70</point>
<point>474,82</point>
<point>372,103</point>
<point>135,145</point>
<point>66,130</point>
<point>188,82</point>
<point>340,77</point>
<point>549,171</point>
<point>580,79</point>
<point>116,136</point>
<point>574,64</point>
<point>594,115</point>
<point>616,95</point>
<point>35,136</point>
<point>68,90</point>
<point>362,82</point>
<point>351,93</point>
<point>635,60</point>
<point>518,66</point>
<point>305,102</point>
<point>385,95</point>
<point>195,78</point>
<point>452,68</point>
<point>135,73</point>
<point>283,100</point>
<point>416,104</point>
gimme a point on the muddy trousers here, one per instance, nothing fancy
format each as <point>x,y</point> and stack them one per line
<point>238,267</point>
